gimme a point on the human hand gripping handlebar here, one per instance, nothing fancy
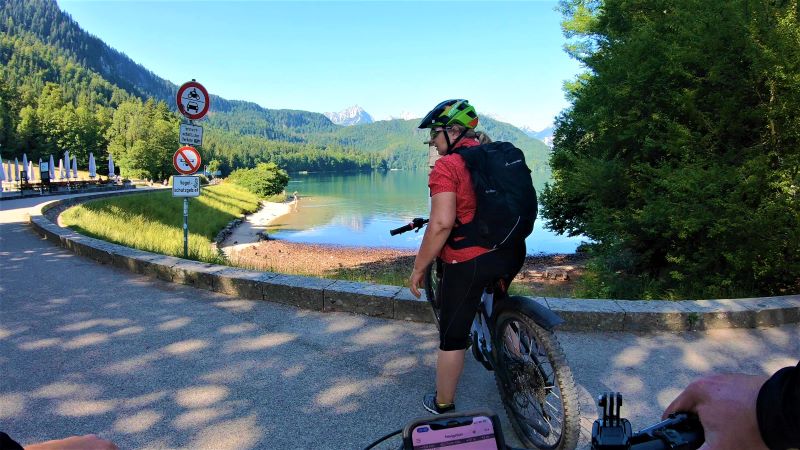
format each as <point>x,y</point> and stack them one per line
<point>415,225</point>
<point>680,431</point>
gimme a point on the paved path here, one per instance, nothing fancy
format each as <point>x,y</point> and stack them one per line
<point>149,364</point>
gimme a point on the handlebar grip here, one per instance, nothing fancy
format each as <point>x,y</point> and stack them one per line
<point>693,439</point>
<point>402,229</point>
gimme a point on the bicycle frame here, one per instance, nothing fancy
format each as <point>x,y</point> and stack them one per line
<point>480,332</point>
<point>488,310</point>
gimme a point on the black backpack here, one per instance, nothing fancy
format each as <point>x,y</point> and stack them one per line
<point>506,198</point>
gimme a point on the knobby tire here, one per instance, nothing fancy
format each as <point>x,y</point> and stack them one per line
<point>540,399</point>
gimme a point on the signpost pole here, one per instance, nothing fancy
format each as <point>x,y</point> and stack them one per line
<point>192,104</point>
<point>186,219</point>
<point>186,227</point>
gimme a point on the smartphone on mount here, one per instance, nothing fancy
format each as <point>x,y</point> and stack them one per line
<point>470,430</point>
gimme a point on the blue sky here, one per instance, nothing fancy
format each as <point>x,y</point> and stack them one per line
<point>389,57</point>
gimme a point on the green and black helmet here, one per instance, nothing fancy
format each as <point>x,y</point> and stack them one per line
<point>451,112</point>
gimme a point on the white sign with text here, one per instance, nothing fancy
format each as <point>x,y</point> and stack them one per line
<point>186,186</point>
<point>191,134</point>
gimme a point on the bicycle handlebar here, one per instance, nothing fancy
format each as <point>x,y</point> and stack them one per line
<point>415,224</point>
<point>680,431</point>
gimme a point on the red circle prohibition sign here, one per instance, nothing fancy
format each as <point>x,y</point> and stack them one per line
<point>186,160</point>
<point>191,103</point>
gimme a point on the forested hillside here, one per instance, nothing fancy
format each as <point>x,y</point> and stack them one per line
<point>400,143</point>
<point>64,88</point>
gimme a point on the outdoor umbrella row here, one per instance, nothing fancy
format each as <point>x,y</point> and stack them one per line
<point>14,175</point>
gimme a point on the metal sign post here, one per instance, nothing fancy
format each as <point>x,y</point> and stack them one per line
<point>186,228</point>
<point>193,102</point>
<point>185,186</point>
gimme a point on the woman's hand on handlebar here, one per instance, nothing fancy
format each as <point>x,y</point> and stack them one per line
<point>415,281</point>
<point>726,406</point>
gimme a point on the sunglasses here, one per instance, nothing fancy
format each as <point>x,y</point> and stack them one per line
<point>434,132</point>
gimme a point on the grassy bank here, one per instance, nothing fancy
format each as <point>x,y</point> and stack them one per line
<point>154,221</point>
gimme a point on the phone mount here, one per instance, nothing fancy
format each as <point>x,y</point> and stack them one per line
<point>453,421</point>
<point>610,431</point>
<point>680,431</point>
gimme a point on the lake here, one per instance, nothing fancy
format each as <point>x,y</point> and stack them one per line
<point>359,209</point>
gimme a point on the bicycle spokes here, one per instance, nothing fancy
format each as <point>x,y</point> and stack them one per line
<point>532,381</point>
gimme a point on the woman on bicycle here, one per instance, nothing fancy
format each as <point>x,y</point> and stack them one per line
<point>465,271</point>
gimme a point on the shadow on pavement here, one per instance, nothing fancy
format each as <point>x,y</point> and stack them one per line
<point>86,348</point>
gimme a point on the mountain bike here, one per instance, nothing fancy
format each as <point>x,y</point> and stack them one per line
<point>513,336</point>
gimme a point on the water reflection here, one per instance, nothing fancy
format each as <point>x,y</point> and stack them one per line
<point>360,209</point>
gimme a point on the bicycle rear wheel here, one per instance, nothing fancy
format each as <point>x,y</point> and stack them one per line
<point>433,278</point>
<point>535,383</point>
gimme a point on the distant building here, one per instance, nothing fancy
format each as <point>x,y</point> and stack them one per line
<point>433,155</point>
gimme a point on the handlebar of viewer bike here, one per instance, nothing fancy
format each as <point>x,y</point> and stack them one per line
<point>610,431</point>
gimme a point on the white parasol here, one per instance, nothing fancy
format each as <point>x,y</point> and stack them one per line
<point>31,176</point>
<point>75,167</point>
<point>16,169</point>
<point>52,168</point>
<point>60,169</point>
<point>92,166</point>
<point>111,173</point>
<point>25,163</point>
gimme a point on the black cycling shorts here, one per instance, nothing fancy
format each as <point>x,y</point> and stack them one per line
<point>461,288</point>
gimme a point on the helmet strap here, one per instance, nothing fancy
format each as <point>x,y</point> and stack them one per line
<point>447,138</point>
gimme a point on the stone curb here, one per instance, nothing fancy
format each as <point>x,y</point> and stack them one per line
<point>394,302</point>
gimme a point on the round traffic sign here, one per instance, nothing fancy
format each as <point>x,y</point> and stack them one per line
<point>186,160</point>
<point>193,100</point>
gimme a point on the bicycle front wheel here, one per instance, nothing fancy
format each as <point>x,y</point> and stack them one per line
<point>535,383</point>
<point>433,278</point>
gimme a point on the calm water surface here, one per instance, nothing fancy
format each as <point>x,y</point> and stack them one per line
<point>359,209</point>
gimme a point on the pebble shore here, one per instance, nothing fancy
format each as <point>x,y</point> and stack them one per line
<point>244,247</point>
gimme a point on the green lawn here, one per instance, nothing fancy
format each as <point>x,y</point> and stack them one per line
<point>154,221</point>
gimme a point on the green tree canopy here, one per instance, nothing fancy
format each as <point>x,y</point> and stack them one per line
<point>264,180</point>
<point>142,137</point>
<point>680,154</point>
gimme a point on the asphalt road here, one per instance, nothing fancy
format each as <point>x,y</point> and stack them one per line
<point>87,348</point>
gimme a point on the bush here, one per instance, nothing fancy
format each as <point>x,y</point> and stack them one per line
<point>264,180</point>
<point>679,157</point>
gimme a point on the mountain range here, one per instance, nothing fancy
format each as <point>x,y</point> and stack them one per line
<point>66,54</point>
<point>353,115</point>
<point>545,135</point>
